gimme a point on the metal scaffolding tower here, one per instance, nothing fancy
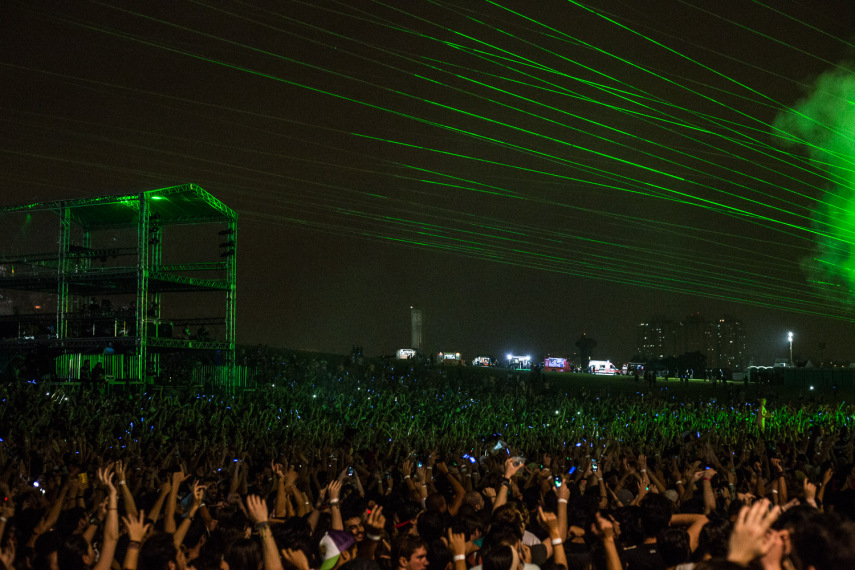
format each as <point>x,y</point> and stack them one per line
<point>136,271</point>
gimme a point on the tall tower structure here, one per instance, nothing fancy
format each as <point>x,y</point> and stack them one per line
<point>416,339</point>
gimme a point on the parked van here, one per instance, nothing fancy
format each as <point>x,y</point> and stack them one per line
<point>601,367</point>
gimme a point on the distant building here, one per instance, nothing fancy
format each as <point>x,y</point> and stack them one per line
<point>416,340</point>
<point>694,335</point>
<point>726,344</point>
<point>656,338</point>
<point>721,340</point>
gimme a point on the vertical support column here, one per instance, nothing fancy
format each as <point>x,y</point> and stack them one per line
<point>155,261</point>
<point>231,303</point>
<point>142,288</point>
<point>62,269</point>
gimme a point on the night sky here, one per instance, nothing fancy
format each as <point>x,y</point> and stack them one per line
<point>523,172</point>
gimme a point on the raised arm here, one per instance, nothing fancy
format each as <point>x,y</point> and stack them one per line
<point>511,468</point>
<point>333,491</point>
<point>550,522</point>
<point>457,545</point>
<point>605,530</point>
<point>111,527</point>
<point>198,494</point>
<point>127,496</point>
<point>165,488</point>
<point>49,519</point>
<point>257,510</point>
<point>459,491</point>
<point>137,529</point>
<point>178,477</point>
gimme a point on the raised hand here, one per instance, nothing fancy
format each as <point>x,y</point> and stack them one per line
<point>750,539</point>
<point>549,522</point>
<point>603,527</point>
<point>810,492</point>
<point>105,477</point>
<point>334,488</point>
<point>376,522</point>
<point>256,508</point>
<point>456,543</point>
<point>511,467</point>
<point>296,558</point>
<point>137,526</point>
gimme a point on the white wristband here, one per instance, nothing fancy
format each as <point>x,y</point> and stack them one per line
<point>556,541</point>
<point>775,491</point>
<point>562,500</point>
<point>459,557</point>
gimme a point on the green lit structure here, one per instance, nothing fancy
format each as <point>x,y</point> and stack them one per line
<point>82,268</point>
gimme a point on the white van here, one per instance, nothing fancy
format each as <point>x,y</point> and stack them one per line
<point>601,367</point>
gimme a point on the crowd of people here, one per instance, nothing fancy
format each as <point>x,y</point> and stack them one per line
<point>406,471</point>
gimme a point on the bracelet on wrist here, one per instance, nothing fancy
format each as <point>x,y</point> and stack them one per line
<point>373,537</point>
<point>122,482</point>
<point>334,501</point>
<point>556,541</point>
<point>134,544</point>
<point>562,500</point>
<point>459,557</point>
<point>262,524</point>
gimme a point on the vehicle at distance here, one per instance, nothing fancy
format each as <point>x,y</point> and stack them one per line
<point>557,364</point>
<point>444,356</point>
<point>518,362</point>
<point>602,367</point>
<point>484,361</point>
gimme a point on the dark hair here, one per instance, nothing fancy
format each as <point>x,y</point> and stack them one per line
<point>673,546</point>
<point>45,545</point>
<point>431,525</point>
<point>502,534</point>
<point>157,552</point>
<point>655,514</point>
<point>629,518</point>
<point>435,502</point>
<point>353,506</point>
<point>825,541</point>
<point>404,547</point>
<point>70,554</point>
<point>498,558</point>
<point>714,538</point>
<point>243,554</point>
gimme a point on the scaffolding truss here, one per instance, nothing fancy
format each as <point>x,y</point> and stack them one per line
<point>72,274</point>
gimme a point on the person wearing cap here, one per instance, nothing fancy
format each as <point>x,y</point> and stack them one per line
<point>337,547</point>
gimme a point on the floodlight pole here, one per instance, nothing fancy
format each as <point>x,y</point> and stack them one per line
<point>790,338</point>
